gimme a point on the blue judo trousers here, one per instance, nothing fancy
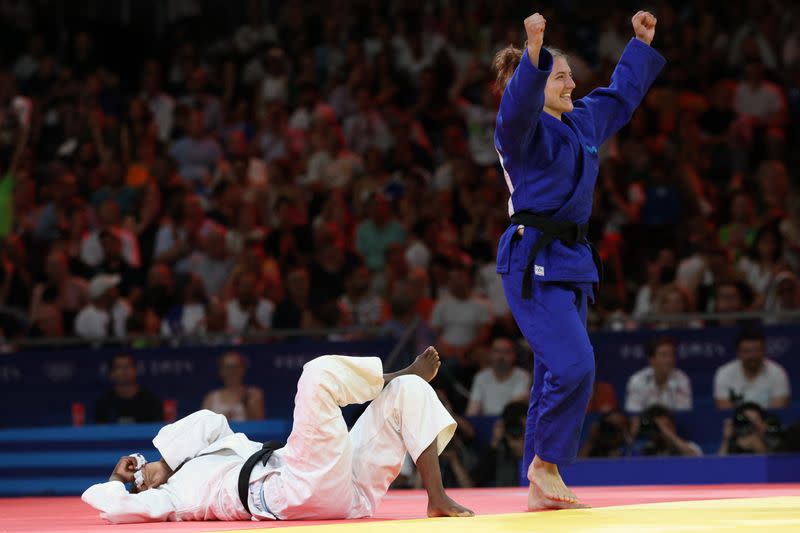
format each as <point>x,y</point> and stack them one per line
<point>550,167</point>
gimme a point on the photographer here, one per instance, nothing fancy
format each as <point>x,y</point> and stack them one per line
<point>608,437</point>
<point>499,465</point>
<point>657,435</point>
<point>750,431</point>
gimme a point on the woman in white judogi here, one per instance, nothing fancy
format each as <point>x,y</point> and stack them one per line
<point>323,472</point>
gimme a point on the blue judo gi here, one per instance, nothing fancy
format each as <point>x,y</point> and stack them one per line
<point>550,168</point>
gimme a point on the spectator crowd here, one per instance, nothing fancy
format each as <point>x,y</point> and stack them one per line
<point>294,168</point>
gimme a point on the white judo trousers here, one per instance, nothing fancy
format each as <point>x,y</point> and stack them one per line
<point>323,472</point>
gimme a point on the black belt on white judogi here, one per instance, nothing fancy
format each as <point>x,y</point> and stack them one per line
<point>262,455</point>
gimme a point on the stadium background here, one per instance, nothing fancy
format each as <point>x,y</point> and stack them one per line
<point>279,178</point>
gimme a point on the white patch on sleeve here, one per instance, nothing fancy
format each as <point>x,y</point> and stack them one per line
<point>538,270</point>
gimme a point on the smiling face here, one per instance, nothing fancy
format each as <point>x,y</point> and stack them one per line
<point>558,91</point>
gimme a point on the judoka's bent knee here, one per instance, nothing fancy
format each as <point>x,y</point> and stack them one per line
<point>410,387</point>
<point>576,376</point>
<point>409,382</point>
<point>320,373</point>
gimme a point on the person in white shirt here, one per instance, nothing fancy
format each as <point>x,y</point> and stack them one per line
<point>364,306</point>
<point>214,264</point>
<point>501,383</point>
<point>660,383</point>
<point>757,99</point>
<point>323,472</point>
<point>461,321</point>
<point>189,317</point>
<point>366,128</point>
<point>161,105</point>
<point>248,311</point>
<point>91,251</point>
<point>106,314</point>
<point>751,377</point>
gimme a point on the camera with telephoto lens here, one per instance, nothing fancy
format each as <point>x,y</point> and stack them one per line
<point>773,435</point>
<point>742,425</point>
<point>648,430</point>
<point>650,439</point>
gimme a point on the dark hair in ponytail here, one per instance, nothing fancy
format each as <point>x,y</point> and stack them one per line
<point>505,63</point>
<point>507,60</point>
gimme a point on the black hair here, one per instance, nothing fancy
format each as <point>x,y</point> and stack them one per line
<point>653,345</point>
<point>658,410</point>
<point>770,228</point>
<point>750,334</point>
<point>751,406</point>
<point>420,227</point>
<point>745,291</point>
<point>513,412</point>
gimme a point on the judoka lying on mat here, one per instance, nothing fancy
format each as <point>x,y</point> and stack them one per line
<point>323,472</point>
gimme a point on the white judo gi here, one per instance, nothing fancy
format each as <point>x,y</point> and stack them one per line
<point>323,472</point>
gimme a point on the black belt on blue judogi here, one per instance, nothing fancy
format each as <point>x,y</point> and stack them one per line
<point>570,233</point>
<point>262,455</point>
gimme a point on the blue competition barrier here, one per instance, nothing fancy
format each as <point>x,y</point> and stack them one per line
<point>39,387</point>
<point>684,470</point>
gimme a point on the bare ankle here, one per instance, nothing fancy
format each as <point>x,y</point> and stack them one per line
<point>540,464</point>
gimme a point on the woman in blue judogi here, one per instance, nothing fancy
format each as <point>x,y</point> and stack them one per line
<point>548,148</point>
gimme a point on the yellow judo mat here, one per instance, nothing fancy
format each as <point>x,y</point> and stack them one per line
<point>776,514</point>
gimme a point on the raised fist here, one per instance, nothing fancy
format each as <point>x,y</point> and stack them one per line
<point>534,27</point>
<point>644,26</point>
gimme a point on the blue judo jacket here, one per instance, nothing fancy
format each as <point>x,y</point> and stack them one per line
<point>550,165</point>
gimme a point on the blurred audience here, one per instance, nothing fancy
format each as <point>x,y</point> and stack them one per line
<point>501,383</point>
<point>106,314</point>
<point>248,310</point>
<point>126,402</point>
<point>499,466</point>
<point>237,401</point>
<point>749,431</point>
<point>609,436</point>
<point>660,383</point>
<point>752,377</point>
<point>657,434</point>
<point>462,321</point>
<point>226,152</point>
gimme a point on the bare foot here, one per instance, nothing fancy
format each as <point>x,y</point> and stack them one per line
<point>426,365</point>
<point>445,506</point>
<point>548,490</point>
<point>537,501</point>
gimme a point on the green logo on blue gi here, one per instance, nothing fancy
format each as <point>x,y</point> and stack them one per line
<point>591,149</point>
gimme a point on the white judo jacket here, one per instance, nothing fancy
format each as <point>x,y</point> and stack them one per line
<point>204,488</point>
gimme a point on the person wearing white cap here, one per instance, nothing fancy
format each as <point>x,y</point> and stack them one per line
<point>106,313</point>
<point>783,295</point>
